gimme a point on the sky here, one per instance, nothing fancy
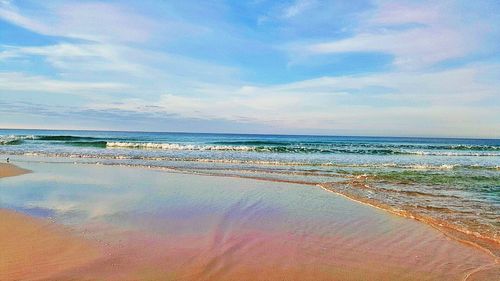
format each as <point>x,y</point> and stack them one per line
<point>398,68</point>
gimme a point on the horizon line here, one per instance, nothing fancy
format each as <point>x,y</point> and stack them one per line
<point>256,134</point>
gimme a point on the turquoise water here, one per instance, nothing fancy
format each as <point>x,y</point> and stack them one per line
<point>456,181</point>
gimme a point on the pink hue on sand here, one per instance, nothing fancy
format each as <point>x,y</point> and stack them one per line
<point>286,256</point>
<point>34,249</point>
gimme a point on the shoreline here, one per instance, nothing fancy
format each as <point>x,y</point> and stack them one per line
<point>448,231</point>
<point>58,234</point>
<point>483,243</point>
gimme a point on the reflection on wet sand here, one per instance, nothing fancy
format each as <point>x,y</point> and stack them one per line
<point>156,225</point>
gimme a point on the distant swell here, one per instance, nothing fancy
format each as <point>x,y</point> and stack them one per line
<point>251,143</point>
<point>63,138</point>
<point>97,144</point>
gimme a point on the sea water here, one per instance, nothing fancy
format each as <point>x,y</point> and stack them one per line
<point>452,182</point>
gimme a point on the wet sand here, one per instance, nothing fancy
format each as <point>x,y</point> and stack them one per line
<point>154,225</point>
<point>33,249</point>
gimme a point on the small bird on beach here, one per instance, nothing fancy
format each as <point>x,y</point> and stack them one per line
<point>8,160</point>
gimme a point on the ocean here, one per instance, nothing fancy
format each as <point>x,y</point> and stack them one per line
<point>449,183</point>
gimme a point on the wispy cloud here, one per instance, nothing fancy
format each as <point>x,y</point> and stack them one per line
<point>416,35</point>
<point>400,12</point>
<point>297,8</point>
<point>99,22</point>
<point>19,82</point>
<point>412,49</point>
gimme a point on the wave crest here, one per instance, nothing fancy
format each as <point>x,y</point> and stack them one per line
<point>175,146</point>
<point>13,139</point>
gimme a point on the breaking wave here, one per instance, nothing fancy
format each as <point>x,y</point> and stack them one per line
<point>267,146</point>
<point>175,146</point>
<point>252,146</point>
<point>13,139</point>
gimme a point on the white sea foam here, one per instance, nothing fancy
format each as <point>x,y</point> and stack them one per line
<point>175,146</point>
<point>434,153</point>
<point>429,167</point>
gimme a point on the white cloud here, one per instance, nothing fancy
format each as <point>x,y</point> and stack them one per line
<point>20,82</point>
<point>409,102</point>
<point>9,13</point>
<point>93,57</point>
<point>399,12</point>
<point>97,22</point>
<point>128,65</point>
<point>417,35</point>
<point>91,21</point>
<point>412,48</point>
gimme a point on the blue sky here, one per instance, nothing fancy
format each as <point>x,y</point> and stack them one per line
<point>404,68</point>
